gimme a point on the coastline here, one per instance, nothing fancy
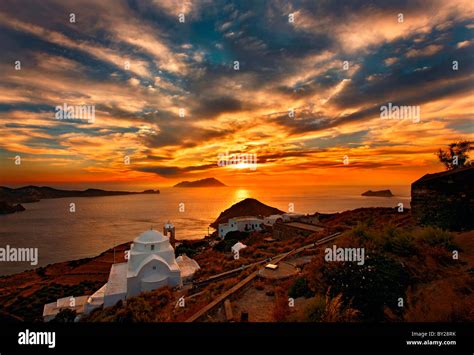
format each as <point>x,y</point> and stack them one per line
<point>100,223</point>
<point>12,198</point>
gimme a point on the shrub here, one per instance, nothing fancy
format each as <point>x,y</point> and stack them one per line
<point>378,283</point>
<point>154,306</point>
<point>361,231</point>
<point>225,245</point>
<point>434,236</point>
<point>41,271</point>
<point>330,310</point>
<point>300,289</point>
<point>183,249</point>
<point>236,235</point>
<point>398,242</point>
<point>336,311</point>
<point>66,315</point>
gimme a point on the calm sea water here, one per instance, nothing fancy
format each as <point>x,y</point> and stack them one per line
<point>102,222</point>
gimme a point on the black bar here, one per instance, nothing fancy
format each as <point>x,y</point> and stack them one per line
<point>241,337</point>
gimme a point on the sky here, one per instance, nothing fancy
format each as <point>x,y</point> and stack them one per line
<point>168,99</point>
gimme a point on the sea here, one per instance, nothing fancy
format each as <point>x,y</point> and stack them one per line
<point>100,223</point>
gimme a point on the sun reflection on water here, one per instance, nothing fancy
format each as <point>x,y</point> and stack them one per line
<point>241,194</point>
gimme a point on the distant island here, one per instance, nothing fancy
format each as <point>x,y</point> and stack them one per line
<point>209,182</point>
<point>9,197</point>
<point>6,207</point>
<point>380,193</point>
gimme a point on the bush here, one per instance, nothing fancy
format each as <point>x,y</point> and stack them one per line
<point>361,231</point>
<point>183,249</point>
<point>398,242</point>
<point>225,245</point>
<point>236,235</point>
<point>330,310</point>
<point>378,283</point>
<point>41,271</point>
<point>66,315</point>
<point>434,236</point>
<point>153,306</point>
<point>300,289</point>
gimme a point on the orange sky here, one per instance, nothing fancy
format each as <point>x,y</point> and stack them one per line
<point>138,68</point>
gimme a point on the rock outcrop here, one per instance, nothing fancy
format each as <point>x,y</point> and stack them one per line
<point>6,208</point>
<point>380,193</point>
<point>247,207</point>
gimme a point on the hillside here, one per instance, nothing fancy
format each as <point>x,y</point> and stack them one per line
<point>247,207</point>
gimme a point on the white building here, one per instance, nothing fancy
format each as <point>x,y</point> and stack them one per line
<point>241,224</point>
<point>51,310</point>
<point>271,220</point>
<point>237,247</point>
<point>151,265</point>
<point>96,300</point>
<point>187,266</point>
<point>285,217</point>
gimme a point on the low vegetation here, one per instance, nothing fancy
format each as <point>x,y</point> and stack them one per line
<point>155,306</point>
<point>31,308</point>
<point>331,310</point>
<point>396,260</point>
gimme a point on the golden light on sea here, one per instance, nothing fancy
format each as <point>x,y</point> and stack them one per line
<point>241,194</point>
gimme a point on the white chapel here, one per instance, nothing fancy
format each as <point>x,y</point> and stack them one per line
<point>151,265</point>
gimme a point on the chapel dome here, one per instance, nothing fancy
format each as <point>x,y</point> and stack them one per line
<point>150,236</point>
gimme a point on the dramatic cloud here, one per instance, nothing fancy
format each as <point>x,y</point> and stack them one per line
<point>176,83</point>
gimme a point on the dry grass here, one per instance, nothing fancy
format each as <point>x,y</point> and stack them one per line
<point>336,311</point>
<point>445,300</point>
